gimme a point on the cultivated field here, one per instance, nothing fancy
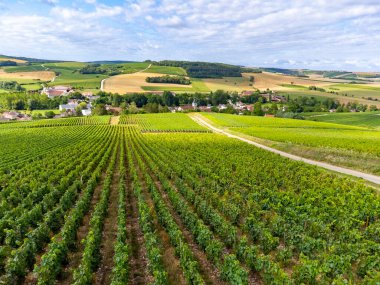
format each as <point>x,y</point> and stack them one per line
<point>12,59</point>
<point>155,201</point>
<point>345,145</point>
<point>34,75</point>
<point>367,119</point>
<point>229,84</point>
<point>275,81</point>
<point>127,83</point>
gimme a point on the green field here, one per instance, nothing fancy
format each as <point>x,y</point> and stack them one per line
<point>25,68</point>
<point>172,70</point>
<point>358,90</point>
<point>346,145</point>
<point>165,122</point>
<point>83,200</point>
<point>367,119</point>
<point>69,75</point>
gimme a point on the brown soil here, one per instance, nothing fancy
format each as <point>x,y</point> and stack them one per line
<point>170,260</point>
<point>74,258</point>
<point>208,271</point>
<point>107,249</point>
<point>139,271</point>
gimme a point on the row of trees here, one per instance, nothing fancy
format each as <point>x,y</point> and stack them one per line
<point>206,69</point>
<point>169,79</point>
<point>11,85</point>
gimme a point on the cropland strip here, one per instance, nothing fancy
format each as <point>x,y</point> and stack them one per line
<point>371,178</point>
<point>34,75</point>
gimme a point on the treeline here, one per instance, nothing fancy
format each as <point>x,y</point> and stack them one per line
<point>92,69</point>
<point>11,85</point>
<point>207,69</point>
<point>171,100</point>
<point>169,79</point>
<point>312,104</point>
<point>8,63</point>
<point>97,68</point>
<point>29,101</point>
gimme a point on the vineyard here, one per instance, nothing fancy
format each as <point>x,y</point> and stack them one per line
<point>158,199</point>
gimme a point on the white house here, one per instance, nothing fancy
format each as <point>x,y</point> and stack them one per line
<point>68,107</point>
<point>86,112</point>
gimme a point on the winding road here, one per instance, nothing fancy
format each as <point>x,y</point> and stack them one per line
<point>368,177</point>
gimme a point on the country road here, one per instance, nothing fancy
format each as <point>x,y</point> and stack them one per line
<point>102,82</point>
<point>369,177</point>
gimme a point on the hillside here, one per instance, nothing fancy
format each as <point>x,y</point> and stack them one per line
<point>141,200</point>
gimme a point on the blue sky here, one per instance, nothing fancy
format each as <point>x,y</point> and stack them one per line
<point>317,34</point>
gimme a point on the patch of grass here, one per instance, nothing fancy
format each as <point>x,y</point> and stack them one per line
<point>367,119</point>
<point>294,86</point>
<point>69,75</point>
<point>171,70</point>
<point>127,68</point>
<point>25,68</point>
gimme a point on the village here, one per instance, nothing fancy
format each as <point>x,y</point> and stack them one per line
<point>84,106</point>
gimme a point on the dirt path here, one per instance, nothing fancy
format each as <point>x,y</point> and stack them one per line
<point>114,120</point>
<point>369,177</point>
<point>102,85</point>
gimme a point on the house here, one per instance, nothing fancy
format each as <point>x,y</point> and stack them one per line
<point>205,108</point>
<point>271,97</point>
<point>86,112</point>
<point>246,93</point>
<point>222,107</point>
<point>11,115</point>
<point>68,107</point>
<point>249,107</point>
<point>87,94</point>
<point>56,91</point>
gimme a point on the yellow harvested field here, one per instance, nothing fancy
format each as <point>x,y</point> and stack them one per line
<point>38,75</point>
<point>238,84</point>
<point>274,81</point>
<point>13,59</point>
<point>129,83</point>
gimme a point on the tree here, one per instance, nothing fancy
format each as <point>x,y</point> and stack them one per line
<point>132,108</point>
<point>257,109</point>
<point>168,98</point>
<point>49,114</point>
<point>100,110</point>
<point>373,108</point>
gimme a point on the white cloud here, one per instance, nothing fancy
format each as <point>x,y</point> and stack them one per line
<point>284,33</point>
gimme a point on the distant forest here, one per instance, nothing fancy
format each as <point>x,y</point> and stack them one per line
<point>207,69</point>
<point>8,63</point>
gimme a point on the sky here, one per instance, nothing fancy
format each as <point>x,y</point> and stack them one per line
<point>319,34</point>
